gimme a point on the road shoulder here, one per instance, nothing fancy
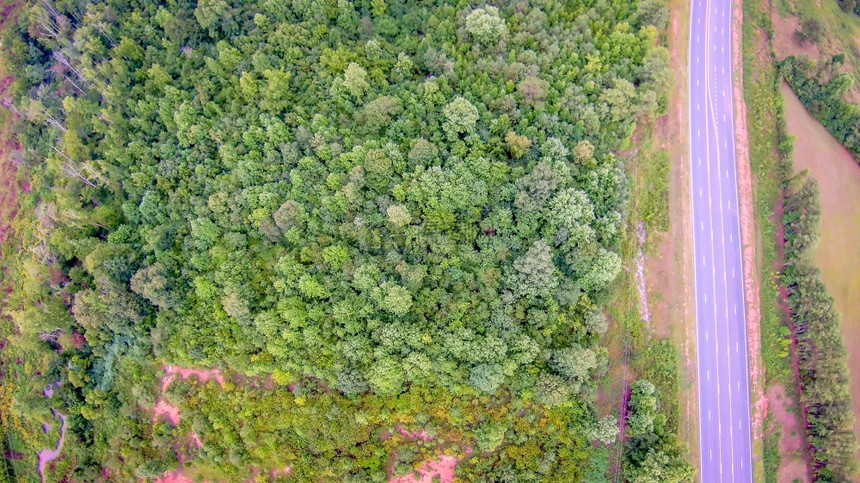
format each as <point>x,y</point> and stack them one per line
<point>668,262</point>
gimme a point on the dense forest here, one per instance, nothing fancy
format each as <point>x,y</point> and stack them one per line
<point>367,213</point>
<point>820,350</point>
<point>821,88</point>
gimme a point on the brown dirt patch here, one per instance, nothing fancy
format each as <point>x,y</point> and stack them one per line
<point>791,443</point>
<point>785,41</point>
<point>838,175</point>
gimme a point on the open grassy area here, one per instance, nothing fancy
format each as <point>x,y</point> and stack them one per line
<point>839,177</point>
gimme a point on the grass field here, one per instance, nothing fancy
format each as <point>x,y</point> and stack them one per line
<point>837,253</point>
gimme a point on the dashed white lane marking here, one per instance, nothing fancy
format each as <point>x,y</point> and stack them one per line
<point>738,349</point>
<point>698,131</point>
<point>727,177</point>
<point>729,203</point>
<point>736,310</point>
<point>701,226</point>
<point>700,192</point>
<point>739,385</point>
<point>706,295</point>
<point>731,237</point>
<point>711,454</point>
<point>697,106</point>
<point>707,336</point>
<point>733,273</point>
<point>724,120</point>
<point>739,421</point>
<point>708,375</point>
<point>700,161</point>
<point>703,264</point>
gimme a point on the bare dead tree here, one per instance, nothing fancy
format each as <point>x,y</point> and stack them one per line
<point>7,103</point>
<point>55,122</point>
<point>73,83</point>
<point>64,61</point>
<point>70,169</point>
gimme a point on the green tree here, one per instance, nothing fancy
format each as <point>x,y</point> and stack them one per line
<point>460,117</point>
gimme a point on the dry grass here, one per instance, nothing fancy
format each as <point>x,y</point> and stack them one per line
<point>838,175</point>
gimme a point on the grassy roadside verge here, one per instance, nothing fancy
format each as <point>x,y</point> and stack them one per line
<point>635,350</point>
<point>770,160</point>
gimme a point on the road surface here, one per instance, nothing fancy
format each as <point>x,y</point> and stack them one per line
<point>724,398</point>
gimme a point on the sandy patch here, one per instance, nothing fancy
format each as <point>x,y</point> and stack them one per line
<point>791,442</point>
<point>752,275</point>
<point>443,467</point>
<point>838,175</point>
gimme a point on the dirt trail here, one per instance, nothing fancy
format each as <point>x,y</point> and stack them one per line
<point>48,455</point>
<point>747,216</point>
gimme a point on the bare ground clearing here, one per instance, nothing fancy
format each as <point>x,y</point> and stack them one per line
<point>792,468</point>
<point>838,175</point>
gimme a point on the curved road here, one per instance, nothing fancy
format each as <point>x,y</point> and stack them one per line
<point>724,401</point>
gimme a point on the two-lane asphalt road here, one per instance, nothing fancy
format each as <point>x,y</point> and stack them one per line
<point>724,401</point>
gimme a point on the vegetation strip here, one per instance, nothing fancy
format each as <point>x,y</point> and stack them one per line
<point>826,395</point>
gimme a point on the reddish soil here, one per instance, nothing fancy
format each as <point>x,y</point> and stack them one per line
<point>175,476</point>
<point>443,467</point>
<point>752,273</point>
<point>164,408</point>
<point>416,435</point>
<point>791,443</point>
<point>202,374</point>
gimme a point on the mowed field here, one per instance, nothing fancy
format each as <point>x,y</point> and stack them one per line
<point>838,251</point>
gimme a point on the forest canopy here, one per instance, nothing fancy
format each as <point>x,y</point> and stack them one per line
<point>378,195</point>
